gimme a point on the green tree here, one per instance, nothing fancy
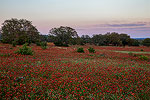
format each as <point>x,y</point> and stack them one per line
<point>124,38</point>
<point>86,39</point>
<point>133,42</point>
<point>20,31</point>
<point>99,39</point>
<point>146,42</point>
<point>63,36</point>
<point>114,39</point>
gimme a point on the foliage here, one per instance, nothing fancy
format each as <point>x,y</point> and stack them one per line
<point>63,35</point>
<point>142,50</point>
<point>146,42</point>
<point>86,39</point>
<point>91,50</point>
<point>24,50</point>
<point>38,43</point>
<point>133,42</point>
<point>22,31</point>
<point>143,57</point>
<point>5,55</point>
<point>14,43</point>
<point>43,45</point>
<point>99,39</point>
<point>130,54</point>
<point>113,38</point>
<point>80,50</point>
<point>44,38</point>
<point>124,38</point>
<point>61,44</point>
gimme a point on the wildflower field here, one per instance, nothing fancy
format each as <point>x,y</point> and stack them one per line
<point>111,73</point>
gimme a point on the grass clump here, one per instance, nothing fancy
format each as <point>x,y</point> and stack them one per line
<point>43,45</point>
<point>130,54</point>
<point>142,50</point>
<point>91,50</point>
<point>80,50</point>
<point>14,43</point>
<point>5,55</point>
<point>143,57</point>
<point>25,50</point>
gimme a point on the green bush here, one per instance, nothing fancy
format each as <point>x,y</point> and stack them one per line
<point>61,44</point>
<point>14,43</point>
<point>80,50</point>
<point>91,50</point>
<point>5,55</point>
<point>146,42</point>
<point>24,50</point>
<point>143,57</point>
<point>142,50</point>
<point>43,45</point>
<point>130,54</point>
<point>38,43</point>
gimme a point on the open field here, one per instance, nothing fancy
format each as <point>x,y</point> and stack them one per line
<point>62,73</point>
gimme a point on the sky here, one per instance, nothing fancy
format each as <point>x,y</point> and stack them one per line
<point>85,16</point>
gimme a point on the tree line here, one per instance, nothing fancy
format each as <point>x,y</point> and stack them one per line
<point>21,31</point>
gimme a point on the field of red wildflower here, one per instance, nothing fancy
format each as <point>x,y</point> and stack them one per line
<point>111,73</point>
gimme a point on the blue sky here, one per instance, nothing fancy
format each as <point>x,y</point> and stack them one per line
<point>86,16</point>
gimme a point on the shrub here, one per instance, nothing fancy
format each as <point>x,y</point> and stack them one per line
<point>5,55</point>
<point>80,50</point>
<point>43,45</point>
<point>146,42</point>
<point>142,50</point>
<point>24,50</point>
<point>91,50</point>
<point>130,54</point>
<point>38,43</point>
<point>143,57</point>
<point>14,43</point>
<point>61,44</point>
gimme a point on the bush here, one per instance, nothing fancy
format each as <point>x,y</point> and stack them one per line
<point>38,43</point>
<point>61,44</point>
<point>143,57</point>
<point>43,45</point>
<point>142,50</point>
<point>80,50</point>
<point>14,43</point>
<point>91,50</point>
<point>146,42</point>
<point>25,50</point>
<point>130,54</point>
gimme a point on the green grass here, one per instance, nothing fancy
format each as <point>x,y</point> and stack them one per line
<point>132,52</point>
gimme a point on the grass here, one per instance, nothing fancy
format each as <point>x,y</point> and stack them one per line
<point>136,52</point>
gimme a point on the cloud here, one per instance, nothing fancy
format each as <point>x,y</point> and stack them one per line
<point>125,25</point>
<point>120,25</point>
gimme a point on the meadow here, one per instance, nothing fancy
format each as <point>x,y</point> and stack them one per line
<point>111,73</point>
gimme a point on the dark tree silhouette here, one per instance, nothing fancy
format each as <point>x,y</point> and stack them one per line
<point>146,42</point>
<point>20,31</point>
<point>63,36</point>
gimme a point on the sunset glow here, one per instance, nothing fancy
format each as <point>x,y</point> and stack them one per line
<point>86,16</point>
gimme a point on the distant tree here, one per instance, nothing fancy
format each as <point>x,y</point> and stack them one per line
<point>43,37</point>
<point>124,38</point>
<point>86,39</point>
<point>133,42</point>
<point>0,37</point>
<point>114,39</point>
<point>99,39</point>
<point>146,42</point>
<point>63,36</point>
<point>20,31</point>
